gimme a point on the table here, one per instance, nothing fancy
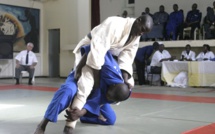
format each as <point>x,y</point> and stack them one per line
<point>200,73</point>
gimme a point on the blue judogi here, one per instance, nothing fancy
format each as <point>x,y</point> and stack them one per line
<point>110,74</point>
<point>175,20</point>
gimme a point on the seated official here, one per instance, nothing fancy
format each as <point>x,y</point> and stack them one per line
<point>159,56</point>
<point>206,54</point>
<point>188,54</point>
<point>26,60</point>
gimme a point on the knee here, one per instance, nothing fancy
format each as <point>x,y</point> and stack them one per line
<point>111,121</point>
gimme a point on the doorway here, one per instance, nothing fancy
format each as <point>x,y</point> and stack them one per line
<point>54,52</point>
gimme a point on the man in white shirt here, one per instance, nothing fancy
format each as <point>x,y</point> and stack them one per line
<point>159,56</point>
<point>26,60</point>
<point>118,35</point>
<point>206,54</point>
<point>188,54</point>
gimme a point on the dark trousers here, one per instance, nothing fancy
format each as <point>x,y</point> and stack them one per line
<point>140,67</point>
<point>24,68</point>
<point>193,27</point>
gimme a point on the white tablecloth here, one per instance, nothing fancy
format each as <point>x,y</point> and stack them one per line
<point>201,73</point>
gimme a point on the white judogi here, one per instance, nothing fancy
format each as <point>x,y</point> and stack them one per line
<point>191,55</point>
<point>159,56</point>
<point>111,35</point>
<point>209,55</point>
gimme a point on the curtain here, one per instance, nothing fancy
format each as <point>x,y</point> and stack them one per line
<point>95,13</point>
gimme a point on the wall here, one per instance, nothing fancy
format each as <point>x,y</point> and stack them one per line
<point>111,8</point>
<point>72,17</point>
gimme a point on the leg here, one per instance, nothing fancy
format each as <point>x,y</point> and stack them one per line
<point>31,74</point>
<point>61,100</point>
<point>107,117</point>
<point>140,72</point>
<point>18,73</point>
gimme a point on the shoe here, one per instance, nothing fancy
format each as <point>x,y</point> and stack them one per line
<point>30,84</point>
<point>30,81</point>
<point>17,81</point>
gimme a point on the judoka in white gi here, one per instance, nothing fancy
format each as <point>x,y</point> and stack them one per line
<point>118,35</point>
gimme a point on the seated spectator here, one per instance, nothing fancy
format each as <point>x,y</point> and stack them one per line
<point>209,24</point>
<point>147,11</point>
<point>159,56</point>
<point>141,59</point>
<point>193,20</point>
<point>26,60</point>
<point>206,54</point>
<point>176,19</point>
<point>188,54</point>
<point>160,19</point>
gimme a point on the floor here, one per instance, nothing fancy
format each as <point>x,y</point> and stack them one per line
<point>150,110</point>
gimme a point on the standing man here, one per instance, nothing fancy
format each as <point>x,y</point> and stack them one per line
<point>119,35</point>
<point>141,60</point>
<point>26,60</point>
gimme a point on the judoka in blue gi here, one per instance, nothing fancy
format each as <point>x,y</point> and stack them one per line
<point>176,19</point>
<point>97,109</point>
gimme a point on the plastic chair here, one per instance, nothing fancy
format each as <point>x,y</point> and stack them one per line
<point>26,72</point>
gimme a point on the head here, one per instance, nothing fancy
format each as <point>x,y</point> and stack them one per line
<point>141,25</point>
<point>30,46</point>
<point>161,47</point>
<point>147,10</point>
<point>206,48</point>
<point>161,8</point>
<point>188,47</point>
<point>194,6</point>
<point>175,7</point>
<point>155,45</point>
<point>118,92</point>
<point>214,4</point>
<point>124,14</point>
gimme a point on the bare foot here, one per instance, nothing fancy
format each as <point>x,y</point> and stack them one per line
<point>68,130</point>
<point>39,130</point>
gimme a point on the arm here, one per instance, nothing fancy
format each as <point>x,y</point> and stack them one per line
<point>17,64</point>
<point>34,61</point>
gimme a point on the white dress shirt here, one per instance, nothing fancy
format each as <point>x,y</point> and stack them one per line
<point>191,55</point>
<point>21,57</point>
<point>159,56</point>
<point>209,55</point>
